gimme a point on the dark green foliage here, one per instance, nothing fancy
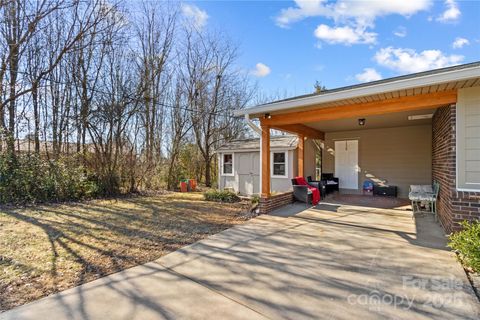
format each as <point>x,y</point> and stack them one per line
<point>319,87</point>
<point>30,179</point>
<point>467,244</point>
<point>221,196</point>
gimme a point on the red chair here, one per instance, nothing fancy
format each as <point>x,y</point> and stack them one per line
<point>315,192</point>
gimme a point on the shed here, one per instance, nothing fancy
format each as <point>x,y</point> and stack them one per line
<point>239,164</point>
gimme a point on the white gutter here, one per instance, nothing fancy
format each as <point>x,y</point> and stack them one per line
<point>253,125</point>
<point>402,84</point>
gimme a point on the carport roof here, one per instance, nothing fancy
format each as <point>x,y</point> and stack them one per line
<point>430,81</point>
<point>285,142</point>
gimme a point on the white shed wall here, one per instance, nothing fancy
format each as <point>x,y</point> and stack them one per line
<point>247,182</point>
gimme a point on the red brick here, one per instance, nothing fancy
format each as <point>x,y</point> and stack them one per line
<point>453,206</point>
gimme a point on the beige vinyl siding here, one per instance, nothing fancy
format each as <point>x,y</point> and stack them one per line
<point>398,156</point>
<point>468,139</point>
<point>309,159</point>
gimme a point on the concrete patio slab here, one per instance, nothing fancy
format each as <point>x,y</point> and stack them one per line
<point>335,261</point>
<point>145,292</point>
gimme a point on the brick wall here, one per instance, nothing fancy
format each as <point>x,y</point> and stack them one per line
<point>276,201</point>
<point>453,206</point>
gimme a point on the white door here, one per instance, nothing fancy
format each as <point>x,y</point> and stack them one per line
<point>346,163</point>
<point>248,173</point>
<point>245,183</point>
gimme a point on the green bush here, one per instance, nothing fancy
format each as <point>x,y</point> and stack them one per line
<point>221,196</point>
<point>467,244</point>
<point>30,179</point>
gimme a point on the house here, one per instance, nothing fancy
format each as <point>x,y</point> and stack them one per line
<point>239,164</point>
<point>411,129</point>
<point>27,145</point>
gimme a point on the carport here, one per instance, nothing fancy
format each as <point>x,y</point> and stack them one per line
<point>394,132</point>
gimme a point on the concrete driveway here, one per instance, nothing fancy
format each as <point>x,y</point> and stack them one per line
<point>331,262</point>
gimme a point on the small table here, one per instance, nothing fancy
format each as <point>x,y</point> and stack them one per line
<point>390,191</point>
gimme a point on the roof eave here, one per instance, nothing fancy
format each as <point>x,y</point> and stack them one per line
<point>256,149</point>
<point>401,84</point>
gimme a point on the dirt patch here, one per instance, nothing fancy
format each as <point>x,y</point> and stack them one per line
<point>49,248</point>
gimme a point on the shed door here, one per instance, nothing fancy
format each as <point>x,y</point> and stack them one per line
<point>346,163</point>
<point>256,172</point>
<point>248,173</point>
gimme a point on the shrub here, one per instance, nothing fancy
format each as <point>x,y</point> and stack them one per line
<point>221,196</point>
<point>467,244</point>
<point>30,179</point>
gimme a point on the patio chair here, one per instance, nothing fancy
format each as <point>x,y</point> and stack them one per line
<point>301,192</point>
<point>331,183</point>
<point>320,185</point>
<point>426,196</point>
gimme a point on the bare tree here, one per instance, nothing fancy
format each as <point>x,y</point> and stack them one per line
<point>214,89</point>
<point>155,34</point>
<point>111,114</point>
<point>180,125</point>
<point>21,21</point>
<point>131,97</point>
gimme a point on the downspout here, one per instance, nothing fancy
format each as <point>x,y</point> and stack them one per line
<point>259,131</point>
<point>253,125</point>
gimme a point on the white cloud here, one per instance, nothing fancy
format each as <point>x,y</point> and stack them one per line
<point>261,70</point>
<point>344,35</point>
<point>451,14</point>
<point>363,12</point>
<point>368,74</point>
<point>401,31</point>
<point>460,42</point>
<point>352,19</point>
<point>304,9</point>
<point>405,60</point>
<point>197,16</point>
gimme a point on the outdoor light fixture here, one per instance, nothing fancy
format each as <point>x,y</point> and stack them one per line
<point>267,116</point>
<point>420,116</point>
<point>361,122</point>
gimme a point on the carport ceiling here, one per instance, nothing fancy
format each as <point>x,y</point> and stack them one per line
<point>399,119</point>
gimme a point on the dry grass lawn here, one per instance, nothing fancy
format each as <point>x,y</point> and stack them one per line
<point>49,248</point>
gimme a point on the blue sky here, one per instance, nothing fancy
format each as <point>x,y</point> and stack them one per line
<point>287,45</point>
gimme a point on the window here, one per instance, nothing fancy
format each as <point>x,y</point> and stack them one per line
<point>279,164</point>
<point>468,139</point>
<point>227,164</point>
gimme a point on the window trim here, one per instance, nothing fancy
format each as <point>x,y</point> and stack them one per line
<point>459,135</point>
<point>272,175</point>
<point>233,164</point>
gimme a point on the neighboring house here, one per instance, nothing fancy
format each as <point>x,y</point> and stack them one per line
<point>239,164</point>
<point>28,146</point>
<point>400,131</point>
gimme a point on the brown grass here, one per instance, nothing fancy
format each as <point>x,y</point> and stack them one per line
<point>49,248</point>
